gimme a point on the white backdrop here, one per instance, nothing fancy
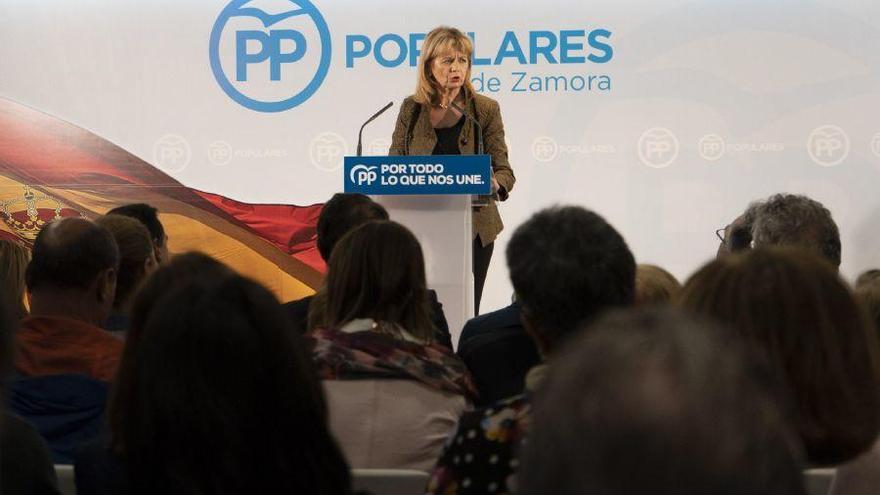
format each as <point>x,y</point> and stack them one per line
<point>704,105</point>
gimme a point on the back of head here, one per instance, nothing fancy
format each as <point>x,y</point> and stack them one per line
<point>136,257</point>
<point>14,258</point>
<point>654,285</point>
<point>867,292</point>
<point>651,401</point>
<point>793,307</point>
<point>147,215</point>
<point>796,220</point>
<point>377,271</point>
<point>221,398</point>
<point>70,254</point>
<point>341,214</point>
<point>567,265</point>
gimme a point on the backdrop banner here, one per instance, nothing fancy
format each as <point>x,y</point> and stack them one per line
<point>666,117</point>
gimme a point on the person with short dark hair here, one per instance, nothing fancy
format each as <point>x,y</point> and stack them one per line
<point>567,265</point>
<point>137,259</point>
<point>394,393</point>
<point>793,307</point>
<point>149,216</point>
<point>72,282</point>
<point>651,401</point>
<point>341,214</point>
<point>25,465</point>
<point>216,395</point>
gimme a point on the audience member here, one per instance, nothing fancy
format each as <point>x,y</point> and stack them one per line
<point>217,395</point>
<point>498,352</point>
<point>794,308</point>
<point>567,266</point>
<point>394,393</point>
<point>136,260</point>
<point>655,286</point>
<point>14,259</point>
<point>341,214</point>
<point>867,291</point>
<point>25,465</point>
<point>795,220</point>
<point>651,401</point>
<point>149,216</point>
<point>72,280</point>
<point>736,236</point>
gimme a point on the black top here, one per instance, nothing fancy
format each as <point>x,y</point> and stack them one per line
<point>25,465</point>
<point>447,139</point>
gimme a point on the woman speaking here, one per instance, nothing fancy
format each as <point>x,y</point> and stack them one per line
<point>430,124</point>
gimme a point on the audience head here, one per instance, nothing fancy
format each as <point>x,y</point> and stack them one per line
<point>868,293</point>
<point>217,395</point>
<point>14,258</point>
<point>182,269</point>
<point>737,235</point>
<point>341,214</point>
<point>654,285</point>
<point>796,220</point>
<point>8,325</point>
<point>136,254</point>
<point>149,216</point>
<point>651,401</point>
<point>567,265</point>
<point>376,271</point>
<point>73,265</point>
<point>793,307</point>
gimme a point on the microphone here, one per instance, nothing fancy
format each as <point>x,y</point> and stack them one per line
<point>361,132</point>
<point>477,124</point>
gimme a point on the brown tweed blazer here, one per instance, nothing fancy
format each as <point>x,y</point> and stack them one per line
<point>487,221</point>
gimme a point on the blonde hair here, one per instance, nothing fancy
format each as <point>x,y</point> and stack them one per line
<point>439,41</point>
<point>14,259</point>
<point>654,285</point>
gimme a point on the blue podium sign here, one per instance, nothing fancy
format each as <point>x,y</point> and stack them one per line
<point>418,175</point>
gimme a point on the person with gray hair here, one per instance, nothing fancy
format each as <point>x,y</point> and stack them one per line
<point>795,220</point>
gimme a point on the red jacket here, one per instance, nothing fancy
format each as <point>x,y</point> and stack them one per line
<point>52,345</point>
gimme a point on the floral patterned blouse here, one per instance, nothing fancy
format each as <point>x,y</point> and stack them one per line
<point>482,457</point>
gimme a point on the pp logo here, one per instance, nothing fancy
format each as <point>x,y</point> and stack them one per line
<point>828,145</point>
<point>544,149</point>
<point>267,59</point>
<point>326,151</point>
<point>875,144</point>
<point>362,174</point>
<point>220,153</point>
<point>658,147</point>
<point>712,147</point>
<point>171,153</point>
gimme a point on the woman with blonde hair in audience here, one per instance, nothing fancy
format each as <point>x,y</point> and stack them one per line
<point>14,258</point>
<point>794,308</point>
<point>655,286</point>
<point>394,393</point>
<point>136,261</point>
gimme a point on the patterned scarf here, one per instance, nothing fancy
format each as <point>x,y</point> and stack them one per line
<point>371,355</point>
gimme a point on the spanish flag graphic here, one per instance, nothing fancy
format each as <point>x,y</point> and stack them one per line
<point>51,169</point>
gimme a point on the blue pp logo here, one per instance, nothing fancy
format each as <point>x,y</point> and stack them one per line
<point>268,59</point>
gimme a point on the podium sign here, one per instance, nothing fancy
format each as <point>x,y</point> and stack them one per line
<point>418,175</point>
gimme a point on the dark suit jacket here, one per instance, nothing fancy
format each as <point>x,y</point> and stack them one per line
<point>486,220</point>
<point>499,353</point>
<point>298,312</point>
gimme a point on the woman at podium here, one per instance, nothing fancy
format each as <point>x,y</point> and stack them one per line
<point>432,122</point>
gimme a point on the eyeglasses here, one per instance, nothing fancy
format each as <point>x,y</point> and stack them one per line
<point>720,233</point>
